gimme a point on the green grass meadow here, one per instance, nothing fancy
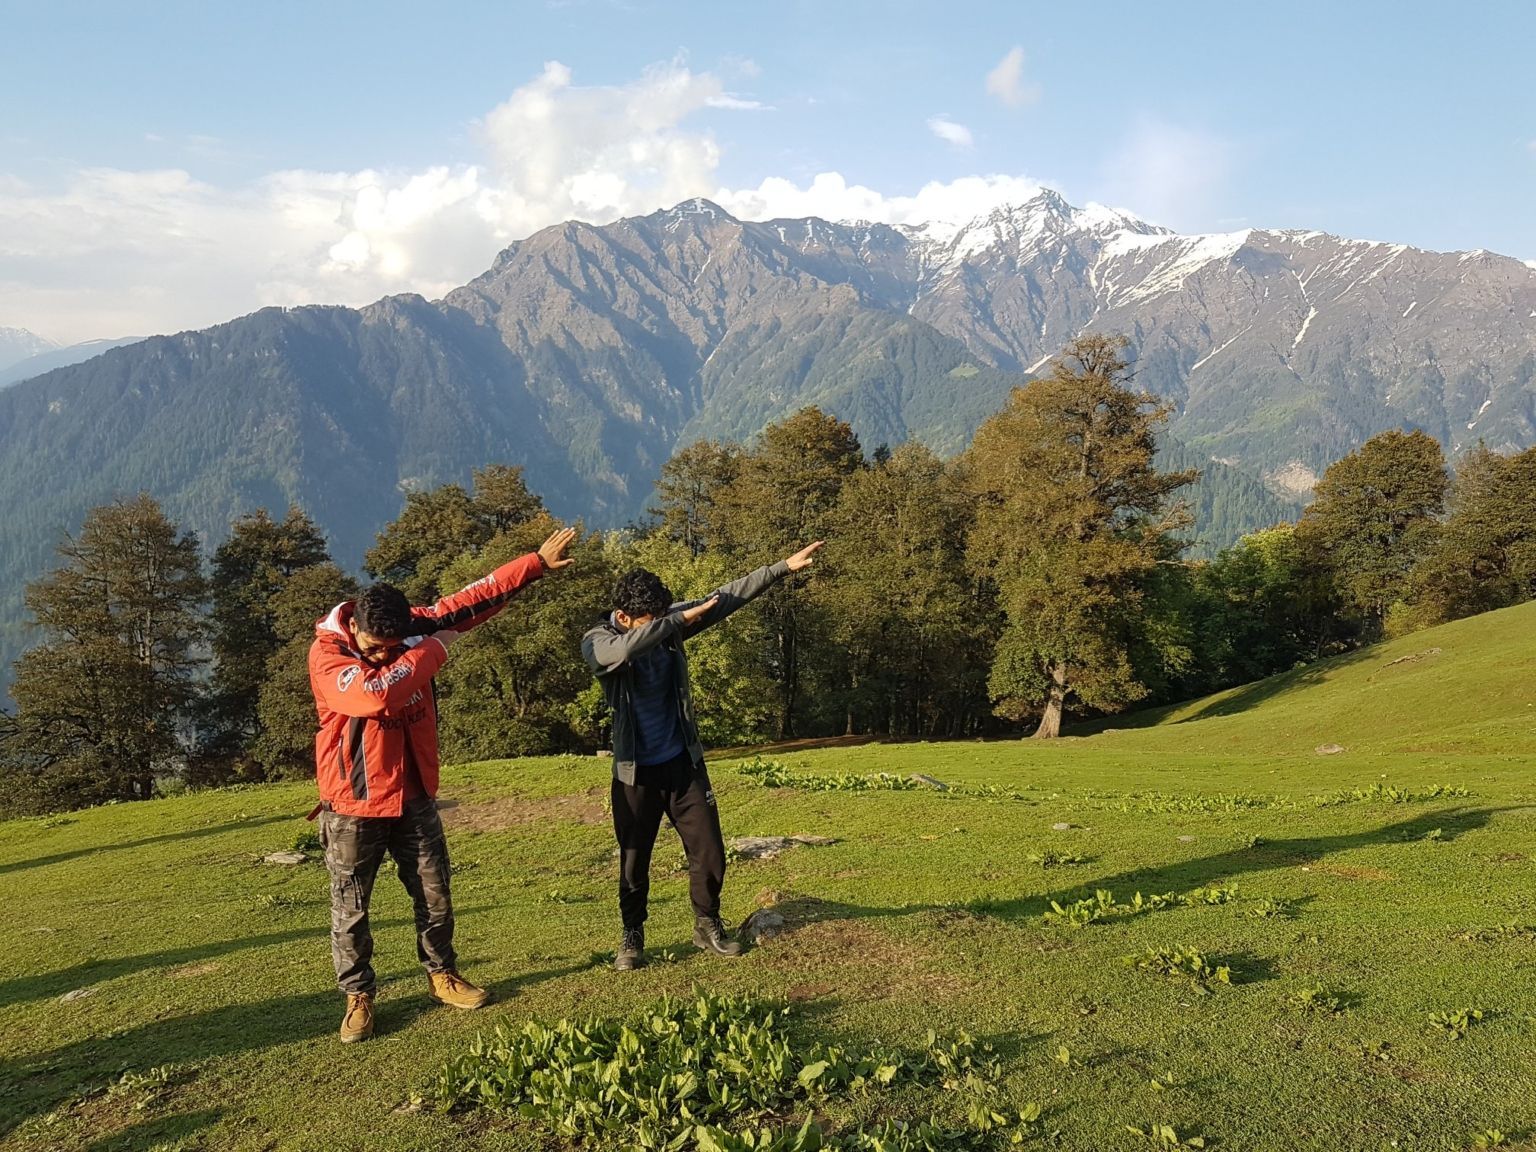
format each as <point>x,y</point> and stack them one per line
<point>161,988</point>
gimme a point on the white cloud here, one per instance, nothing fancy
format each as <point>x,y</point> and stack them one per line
<point>738,104</point>
<point>950,132</point>
<point>115,252</point>
<point>1006,81</point>
<point>110,252</point>
<point>831,197</point>
<point>1173,175</point>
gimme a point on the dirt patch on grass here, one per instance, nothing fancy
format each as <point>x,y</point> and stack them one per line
<point>514,811</point>
<point>186,971</point>
<point>860,959</point>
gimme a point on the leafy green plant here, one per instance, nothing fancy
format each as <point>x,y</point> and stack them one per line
<point>1213,895</point>
<point>558,897</point>
<point>777,774</point>
<point>1271,909</point>
<point>1490,1138</point>
<point>145,1089</point>
<point>1456,1023</point>
<point>1081,913</point>
<point>1185,962</point>
<point>709,1070</point>
<point>1102,905</point>
<point>1153,803</point>
<point>1316,999</point>
<point>1165,1136</point>
<point>306,840</point>
<point>1384,793</point>
<point>1050,858</point>
<point>1375,1049</point>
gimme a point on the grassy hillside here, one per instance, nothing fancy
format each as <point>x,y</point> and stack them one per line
<point>1399,875</point>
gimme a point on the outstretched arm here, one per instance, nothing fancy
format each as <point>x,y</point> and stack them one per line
<point>488,595</point>
<point>738,593</point>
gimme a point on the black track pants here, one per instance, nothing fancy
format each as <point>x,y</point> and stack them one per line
<point>687,800</point>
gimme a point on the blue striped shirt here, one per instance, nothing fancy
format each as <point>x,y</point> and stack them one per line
<point>658,713</point>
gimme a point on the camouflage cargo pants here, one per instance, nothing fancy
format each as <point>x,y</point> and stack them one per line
<point>355,847</point>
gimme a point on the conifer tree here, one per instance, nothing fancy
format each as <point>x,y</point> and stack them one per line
<point>1071,516</point>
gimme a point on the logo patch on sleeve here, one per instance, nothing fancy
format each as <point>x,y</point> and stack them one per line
<point>345,677</point>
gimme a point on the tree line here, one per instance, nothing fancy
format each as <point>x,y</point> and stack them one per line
<point>1038,576</point>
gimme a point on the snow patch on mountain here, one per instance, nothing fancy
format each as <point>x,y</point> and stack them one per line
<point>1170,259</point>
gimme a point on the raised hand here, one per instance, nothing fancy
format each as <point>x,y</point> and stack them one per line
<point>805,557</point>
<point>692,614</point>
<point>552,551</point>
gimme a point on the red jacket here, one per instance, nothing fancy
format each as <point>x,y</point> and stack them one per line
<point>370,715</point>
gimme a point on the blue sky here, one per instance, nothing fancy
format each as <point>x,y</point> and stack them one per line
<point>169,165</point>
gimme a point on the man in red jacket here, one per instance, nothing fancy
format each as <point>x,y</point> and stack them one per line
<point>371,669</point>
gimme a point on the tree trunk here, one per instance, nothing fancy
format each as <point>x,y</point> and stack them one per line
<point>787,663</point>
<point>1050,722</point>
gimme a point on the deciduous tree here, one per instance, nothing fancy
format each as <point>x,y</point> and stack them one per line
<point>1374,516</point>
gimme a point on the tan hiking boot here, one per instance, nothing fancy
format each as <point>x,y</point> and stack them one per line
<point>453,990</point>
<point>357,1024</point>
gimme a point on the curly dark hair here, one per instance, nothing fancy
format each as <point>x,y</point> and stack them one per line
<point>641,593</point>
<point>384,612</point>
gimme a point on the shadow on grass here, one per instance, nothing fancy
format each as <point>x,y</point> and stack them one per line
<point>165,838</point>
<point>1236,700</point>
<point>44,985</point>
<point>1180,876</point>
<point>38,1083</point>
<point>1252,695</point>
<point>162,1132</point>
<point>1271,854</point>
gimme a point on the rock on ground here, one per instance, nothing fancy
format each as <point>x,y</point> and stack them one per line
<point>767,847</point>
<point>764,924</point>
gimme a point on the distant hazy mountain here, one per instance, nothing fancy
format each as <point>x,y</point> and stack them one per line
<point>18,344</point>
<point>590,353</point>
<point>55,357</point>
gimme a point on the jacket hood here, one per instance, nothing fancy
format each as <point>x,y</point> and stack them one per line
<point>334,623</point>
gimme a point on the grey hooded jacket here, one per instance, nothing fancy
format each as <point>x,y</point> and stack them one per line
<point>608,649</point>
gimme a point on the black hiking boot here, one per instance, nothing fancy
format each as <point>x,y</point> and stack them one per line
<point>631,951</point>
<point>710,934</point>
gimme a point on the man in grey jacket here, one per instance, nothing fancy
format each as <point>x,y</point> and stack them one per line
<point>658,762</point>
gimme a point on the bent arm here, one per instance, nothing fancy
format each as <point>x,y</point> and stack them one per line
<point>729,597</point>
<point>482,599</point>
<point>605,649</point>
<point>343,683</point>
